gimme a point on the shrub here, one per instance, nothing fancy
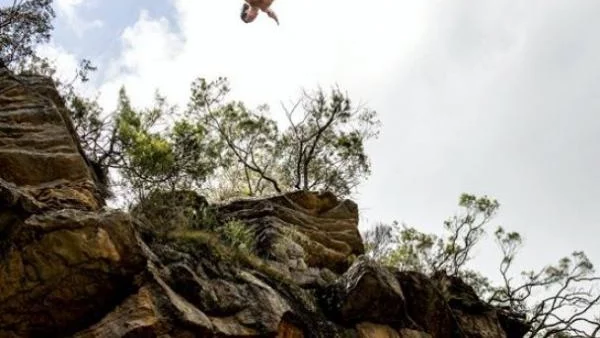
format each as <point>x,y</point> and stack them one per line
<point>238,235</point>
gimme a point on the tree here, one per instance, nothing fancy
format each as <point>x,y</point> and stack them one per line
<point>321,149</point>
<point>223,149</point>
<point>147,151</point>
<point>23,25</point>
<point>411,249</point>
<point>249,139</point>
<point>327,142</point>
<point>564,294</point>
<point>559,300</point>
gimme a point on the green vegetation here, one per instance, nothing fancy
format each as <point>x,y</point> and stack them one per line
<point>23,25</point>
<point>194,241</point>
<point>223,149</point>
<point>170,211</point>
<point>322,148</point>
<point>558,299</point>
<point>238,235</point>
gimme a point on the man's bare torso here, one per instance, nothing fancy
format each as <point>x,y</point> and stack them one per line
<point>261,4</point>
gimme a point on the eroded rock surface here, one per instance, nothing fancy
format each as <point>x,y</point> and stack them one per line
<point>316,229</point>
<point>367,292</point>
<point>474,317</point>
<point>64,262</point>
<point>426,305</point>
<point>38,149</point>
<point>69,267</point>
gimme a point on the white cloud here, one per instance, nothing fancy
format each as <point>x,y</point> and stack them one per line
<point>338,41</point>
<point>69,9</point>
<point>66,65</point>
<point>64,61</point>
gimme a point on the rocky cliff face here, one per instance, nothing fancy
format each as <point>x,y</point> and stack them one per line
<point>69,267</point>
<point>64,262</point>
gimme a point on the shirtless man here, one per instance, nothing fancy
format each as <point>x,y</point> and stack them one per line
<point>251,7</point>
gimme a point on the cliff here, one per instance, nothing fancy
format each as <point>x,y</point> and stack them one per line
<point>69,267</point>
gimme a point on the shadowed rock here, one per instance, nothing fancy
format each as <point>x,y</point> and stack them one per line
<point>475,318</point>
<point>366,292</point>
<point>61,269</point>
<point>426,305</point>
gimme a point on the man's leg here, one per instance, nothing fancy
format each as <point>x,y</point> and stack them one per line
<point>271,14</point>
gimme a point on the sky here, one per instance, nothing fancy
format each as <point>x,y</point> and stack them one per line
<point>497,98</point>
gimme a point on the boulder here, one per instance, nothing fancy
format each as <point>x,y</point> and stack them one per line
<point>289,330</point>
<point>513,323</point>
<point>323,228</point>
<point>144,314</point>
<point>408,333</point>
<point>475,318</point>
<point>370,330</point>
<point>61,270</point>
<point>426,305</point>
<point>367,292</point>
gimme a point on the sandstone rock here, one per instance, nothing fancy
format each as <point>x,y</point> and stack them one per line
<point>408,333</point>
<point>63,262</point>
<point>138,316</point>
<point>238,299</point>
<point>513,323</point>
<point>235,302</point>
<point>475,318</point>
<point>39,149</point>
<point>366,292</point>
<point>280,244</point>
<point>288,330</point>
<point>63,269</point>
<point>156,310</point>
<point>325,228</point>
<point>426,305</point>
<point>370,330</point>
<point>480,325</point>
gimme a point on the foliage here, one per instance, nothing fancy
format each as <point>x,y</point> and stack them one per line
<point>248,139</point>
<point>203,242</point>
<point>161,213</point>
<point>325,146</point>
<point>147,149</point>
<point>379,242</point>
<point>206,242</point>
<point>238,235</point>
<point>559,300</point>
<point>23,25</point>
<point>408,248</point>
<point>224,147</point>
<point>323,149</point>
<point>566,293</point>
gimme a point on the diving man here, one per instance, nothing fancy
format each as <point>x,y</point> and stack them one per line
<point>251,7</point>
